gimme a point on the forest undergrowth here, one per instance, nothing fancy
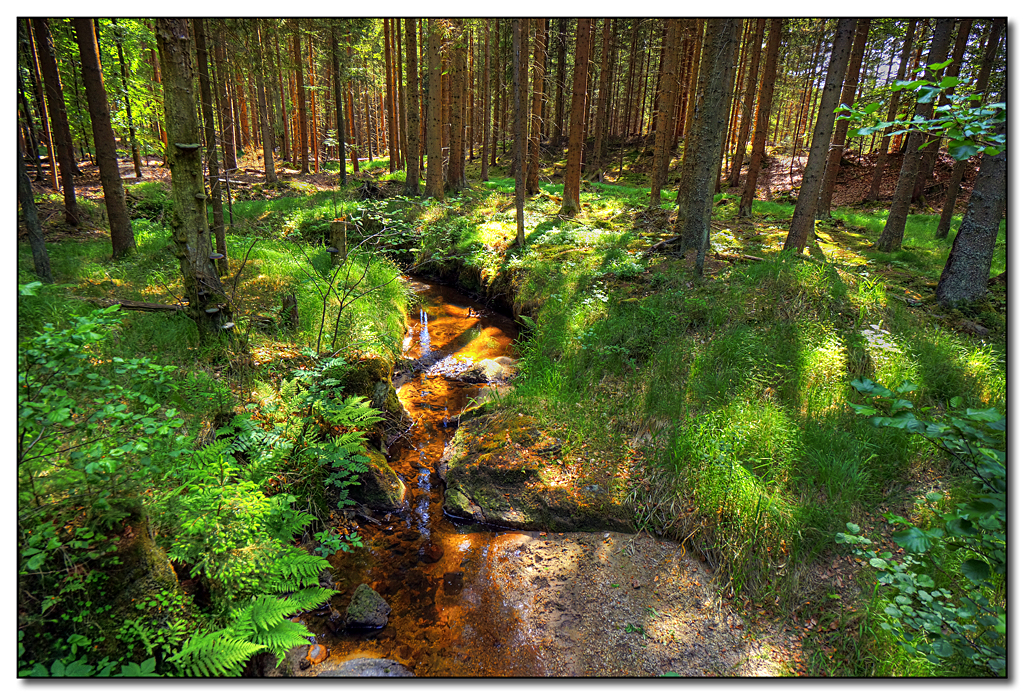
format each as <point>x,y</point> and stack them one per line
<point>716,406</point>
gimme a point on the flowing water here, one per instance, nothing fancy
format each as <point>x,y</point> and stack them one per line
<point>447,617</point>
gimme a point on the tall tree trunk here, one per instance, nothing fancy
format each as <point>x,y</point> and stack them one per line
<point>412,171</point>
<point>189,228</point>
<point>574,157</point>
<point>227,125</point>
<point>981,90</point>
<point>558,130</point>
<point>136,157</point>
<point>59,128</point>
<point>121,237</point>
<point>700,166</point>
<point>926,170</point>
<point>457,152</point>
<point>40,100</point>
<point>764,108</point>
<point>803,213</point>
<point>965,275</point>
<point>339,106</point>
<point>485,88</point>
<point>894,104</point>
<point>403,100</point>
<point>666,126</point>
<point>435,177</point>
<point>698,53</point>
<point>286,152</point>
<point>497,72</point>
<point>314,143</point>
<point>300,92</point>
<point>206,106</point>
<point>892,235</point>
<point>519,60</point>
<point>539,51</point>
<point>389,88</point>
<point>848,96</point>
<point>748,105</point>
<point>603,99</point>
<point>40,258</point>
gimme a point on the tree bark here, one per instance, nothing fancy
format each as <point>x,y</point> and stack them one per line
<point>212,163</point>
<point>457,151</point>
<point>965,275</point>
<point>748,105</point>
<point>412,159</point>
<point>981,90</point>
<point>764,108</point>
<point>339,107</point>
<point>803,213</point>
<point>300,95</point>
<point>574,157</point>
<point>121,237</point>
<point>894,104</point>
<point>40,101</point>
<point>892,235</point>
<point>227,125</point>
<point>485,87</point>
<point>848,96</point>
<point>666,110</point>
<point>59,129</point>
<point>40,258</point>
<point>519,61</point>
<point>603,99</point>
<point>558,130</point>
<point>188,222</point>
<point>700,166</point>
<point>435,177</point>
<point>389,89</point>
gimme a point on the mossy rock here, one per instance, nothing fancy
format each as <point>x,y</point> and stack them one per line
<point>371,379</point>
<point>379,487</point>
<point>367,609</point>
<point>495,470</point>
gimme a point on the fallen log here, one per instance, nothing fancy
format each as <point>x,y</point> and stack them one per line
<point>132,305</point>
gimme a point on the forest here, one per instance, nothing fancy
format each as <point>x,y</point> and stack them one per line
<point>512,347</point>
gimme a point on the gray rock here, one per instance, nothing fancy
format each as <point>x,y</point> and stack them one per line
<point>364,667</point>
<point>367,609</point>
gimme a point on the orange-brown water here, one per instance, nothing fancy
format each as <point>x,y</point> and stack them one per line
<point>448,617</point>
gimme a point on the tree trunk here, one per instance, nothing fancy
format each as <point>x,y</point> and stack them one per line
<point>389,88</point>
<point>300,94</point>
<point>748,105</point>
<point>206,106</point>
<point>435,177</point>
<point>892,235</point>
<point>539,52</point>
<point>457,151</point>
<point>40,258</point>
<point>189,228</point>
<point>485,87</point>
<point>286,152</point>
<point>981,90</point>
<point>227,125</point>
<point>339,107</point>
<point>519,60</point>
<point>136,158</point>
<point>894,103</point>
<point>558,130</point>
<point>803,213</point>
<point>59,128</point>
<point>121,237</point>
<point>848,96</point>
<point>40,101</point>
<point>700,166</point>
<point>965,276</point>
<point>764,108</point>
<point>603,99</point>
<point>666,110</point>
<point>412,171</point>
<point>574,157</point>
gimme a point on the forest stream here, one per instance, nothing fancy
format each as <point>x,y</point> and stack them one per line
<point>447,614</point>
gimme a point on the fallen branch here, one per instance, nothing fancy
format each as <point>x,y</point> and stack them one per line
<point>131,305</point>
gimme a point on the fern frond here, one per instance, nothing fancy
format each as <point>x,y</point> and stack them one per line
<point>309,598</point>
<point>215,654</point>
<point>282,635</point>
<point>294,570</point>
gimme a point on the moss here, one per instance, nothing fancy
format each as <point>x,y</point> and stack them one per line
<point>380,487</point>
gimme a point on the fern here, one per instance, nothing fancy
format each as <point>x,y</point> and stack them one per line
<point>215,654</point>
<point>293,570</point>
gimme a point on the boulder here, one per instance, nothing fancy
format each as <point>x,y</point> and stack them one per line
<point>489,371</point>
<point>379,487</point>
<point>495,470</point>
<point>367,609</point>
<point>368,668</point>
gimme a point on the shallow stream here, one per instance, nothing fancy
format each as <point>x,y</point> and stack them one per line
<point>448,617</point>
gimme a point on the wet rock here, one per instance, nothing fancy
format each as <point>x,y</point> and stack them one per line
<point>488,371</point>
<point>379,487</point>
<point>409,536</point>
<point>431,553</point>
<point>368,668</point>
<point>453,582</point>
<point>336,621</point>
<point>316,654</point>
<point>367,609</point>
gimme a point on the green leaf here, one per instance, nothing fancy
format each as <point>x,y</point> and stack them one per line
<point>852,527</point>
<point>913,539</point>
<point>976,570</point>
